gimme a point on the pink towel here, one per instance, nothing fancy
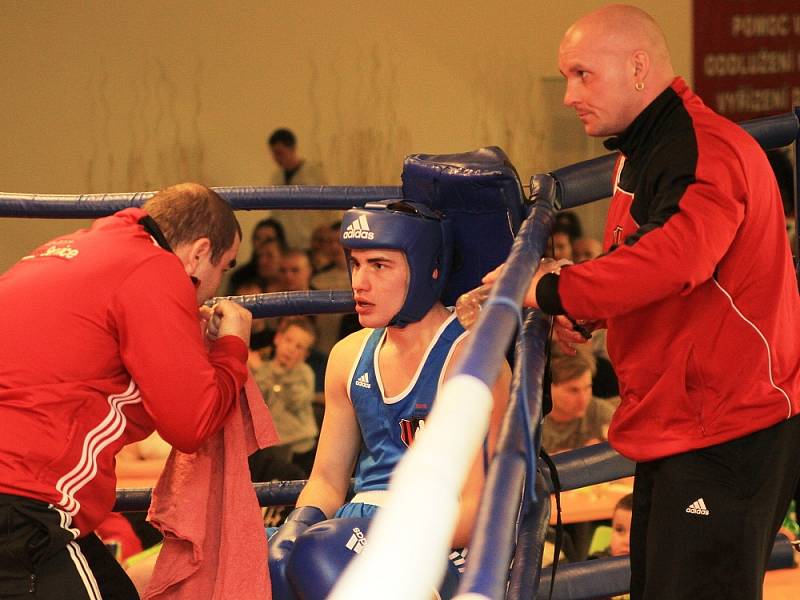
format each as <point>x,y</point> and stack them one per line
<point>204,504</point>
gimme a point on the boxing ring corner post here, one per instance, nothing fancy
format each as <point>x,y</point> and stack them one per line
<point>506,498</point>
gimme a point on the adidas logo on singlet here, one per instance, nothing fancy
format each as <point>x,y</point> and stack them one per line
<point>357,541</point>
<point>358,230</point>
<point>363,381</point>
<point>698,507</point>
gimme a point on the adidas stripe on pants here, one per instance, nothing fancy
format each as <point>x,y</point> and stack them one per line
<point>40,559</point>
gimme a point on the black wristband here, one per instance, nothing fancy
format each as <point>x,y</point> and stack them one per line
<point>547,295</point>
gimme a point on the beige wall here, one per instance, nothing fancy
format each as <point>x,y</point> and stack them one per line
<point>110,97</point>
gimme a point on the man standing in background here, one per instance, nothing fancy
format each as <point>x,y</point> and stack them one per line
<point>296,170</point>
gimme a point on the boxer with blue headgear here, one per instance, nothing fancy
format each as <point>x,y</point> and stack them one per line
<point>421,233</point>
<point>380,384</point>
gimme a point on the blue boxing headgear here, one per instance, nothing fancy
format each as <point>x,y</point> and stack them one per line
<point>424,236</point>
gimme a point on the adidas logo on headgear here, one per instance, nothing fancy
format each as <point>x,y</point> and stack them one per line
<point>358,230</point>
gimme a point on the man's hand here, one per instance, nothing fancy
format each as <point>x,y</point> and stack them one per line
<point>566,336</point>
<point>226,318</point>
<point>548,265</point>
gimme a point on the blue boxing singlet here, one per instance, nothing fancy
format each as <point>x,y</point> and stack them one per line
<point>388,425</point>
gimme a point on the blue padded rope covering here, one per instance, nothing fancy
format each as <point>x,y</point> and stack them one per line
<point>495,527</point>
<point>493,540</point>
<point>279,304</point>
<point>782,556</point>
<point>775,131</point>
<point>584,182</point>
<point>526,569</point>
<point>589,465</point>
<point>590,180</point>
<point>588,579</point>
<point>535,333</point>
<point>611,576</point>
<point>273,493</point>
<point>84,206</point>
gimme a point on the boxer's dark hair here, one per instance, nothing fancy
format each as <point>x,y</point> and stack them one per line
<point>189,211</point>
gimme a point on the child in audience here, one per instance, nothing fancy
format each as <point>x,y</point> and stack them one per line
<point>621,527</point>
<point>287,384</point>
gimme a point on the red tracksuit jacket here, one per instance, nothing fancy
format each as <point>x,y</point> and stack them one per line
<point>101,344</point>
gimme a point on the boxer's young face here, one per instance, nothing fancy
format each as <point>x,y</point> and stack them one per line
<point>380,283</point>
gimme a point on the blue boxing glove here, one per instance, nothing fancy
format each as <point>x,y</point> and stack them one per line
<point>322,553</point>
<point>281,545</point>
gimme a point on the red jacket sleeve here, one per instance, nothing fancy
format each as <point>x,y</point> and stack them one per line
<point>672,257</point>
<point>187,389</point>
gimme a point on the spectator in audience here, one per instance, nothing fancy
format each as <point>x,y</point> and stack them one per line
<point>577,418</point>
<point>586,248</point>
<point>266,232</point>
<point>334,278</point>
<point>293,169</point>
<point>324,242</point>
<point>295,270</point>
<point>620,542</point>
<point>570,222</point>
<point>287,384</point>
<point>263,329</point>
<point>268,265</point>
<point>621,527</point>
<point>561,243</point>
<point>296,276</point>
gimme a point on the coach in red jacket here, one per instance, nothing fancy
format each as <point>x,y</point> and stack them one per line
<point>699,295</point>
<point>102,342</point>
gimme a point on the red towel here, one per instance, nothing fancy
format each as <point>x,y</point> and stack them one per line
<point>204,504</point>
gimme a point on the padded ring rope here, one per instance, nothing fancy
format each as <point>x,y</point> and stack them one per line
<point>611,576</point>
<point>86,206</point>
<point>280,304</point>
<point>271,493</point>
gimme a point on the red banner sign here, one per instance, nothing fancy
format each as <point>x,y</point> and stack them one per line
<point>747,56</point>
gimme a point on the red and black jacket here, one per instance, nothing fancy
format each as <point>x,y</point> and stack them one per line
<point>697,288</point>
